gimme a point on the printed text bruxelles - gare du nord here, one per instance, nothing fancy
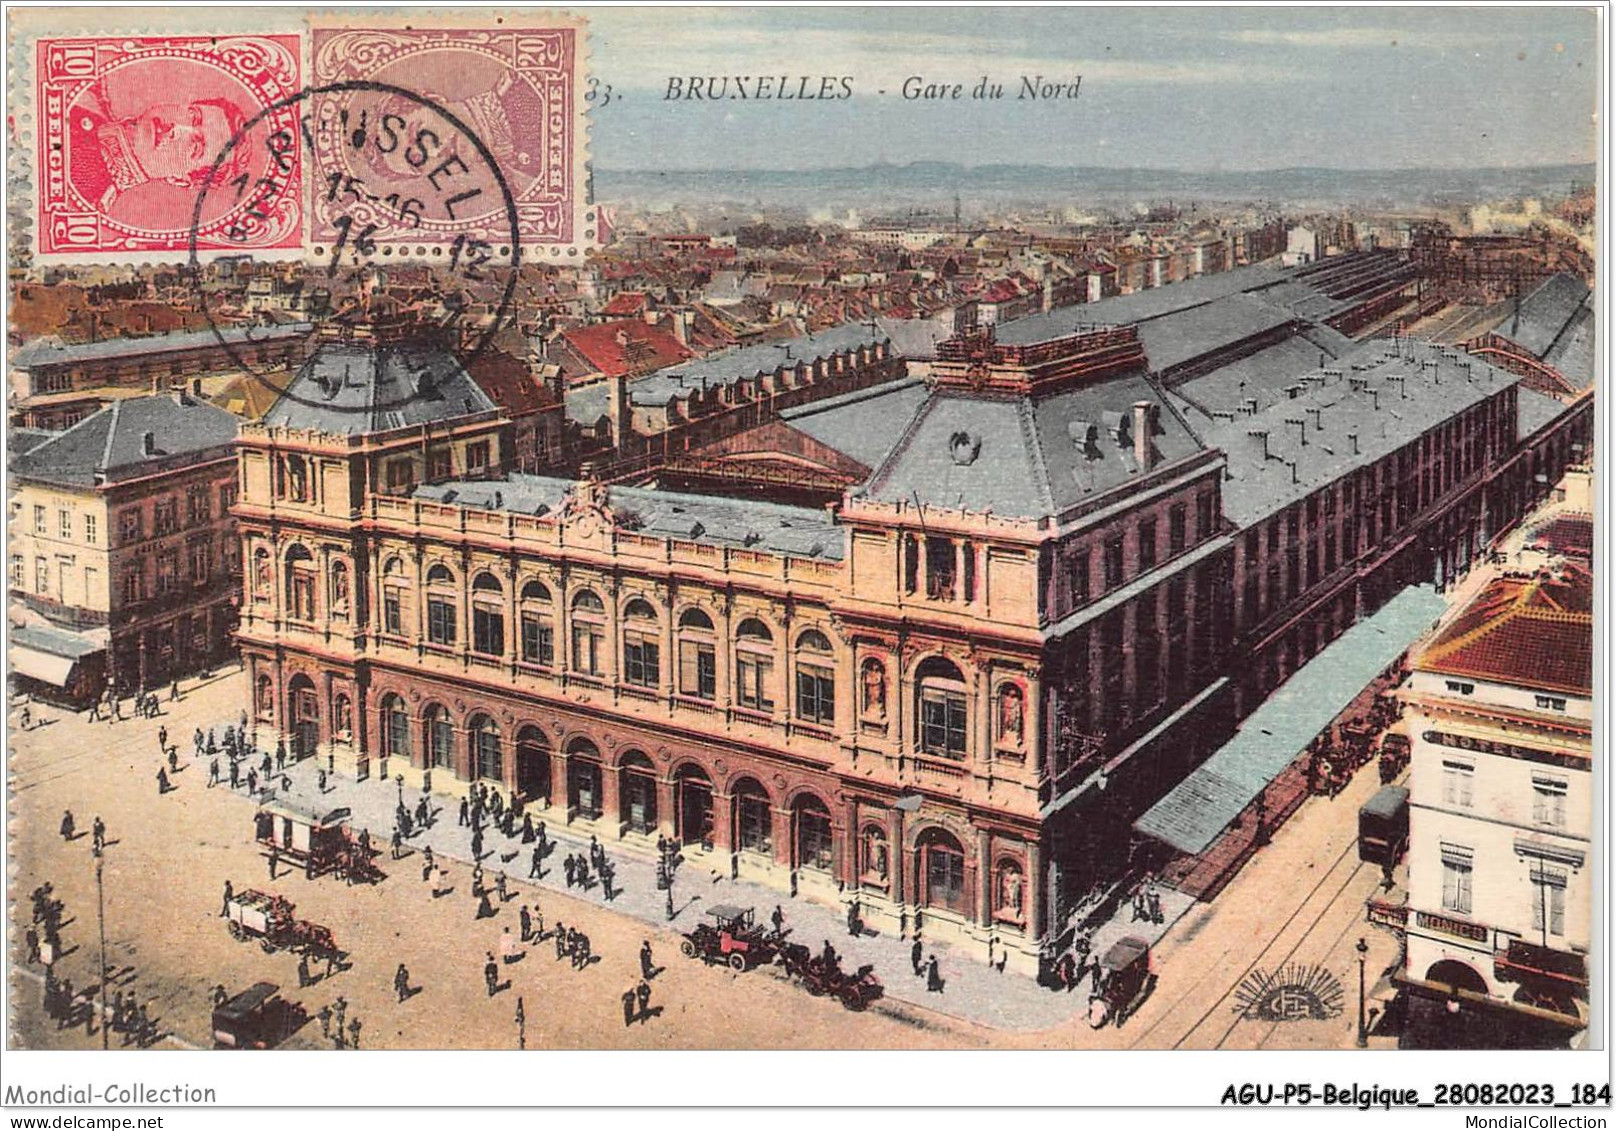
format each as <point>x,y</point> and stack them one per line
<point>835,88</point>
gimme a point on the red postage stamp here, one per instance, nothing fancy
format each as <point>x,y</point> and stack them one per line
<point>479,131</point>
<point>133,131</point>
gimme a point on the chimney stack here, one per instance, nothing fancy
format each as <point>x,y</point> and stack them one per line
<point>148,443</point>
<point>1301,429</point>
<point>1353,437</point>
<point>1259,442</point>
<point>1144,448</point>
<point>618,410</point>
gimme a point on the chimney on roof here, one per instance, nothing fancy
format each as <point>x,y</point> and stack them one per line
<point>1353,438</point>
<point>196,387</point>
<point>1317,414</point>
<point>1258,438</point>
<point>1301,428</point>
<point>1144,448</point>
<point>618,411</point>
<point>148,443</point>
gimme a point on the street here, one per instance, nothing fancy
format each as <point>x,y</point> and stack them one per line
<point>1299,903</point>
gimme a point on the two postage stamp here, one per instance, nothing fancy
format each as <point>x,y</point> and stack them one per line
<point>350,142</point>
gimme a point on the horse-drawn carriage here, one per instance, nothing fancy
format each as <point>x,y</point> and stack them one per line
<point>1125,981</point>
<point>273,921</point>
<point>822,976</point>
<point>319,843</point>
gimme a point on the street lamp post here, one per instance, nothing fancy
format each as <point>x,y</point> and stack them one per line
<point>101,919</point>
<point>1363,1027</point>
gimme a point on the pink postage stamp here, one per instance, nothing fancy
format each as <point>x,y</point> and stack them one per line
<point>130,131</point>
<point>477,129</point>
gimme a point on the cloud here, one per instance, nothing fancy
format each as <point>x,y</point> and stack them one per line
<point>646,52</point>
<point>1348,38</point>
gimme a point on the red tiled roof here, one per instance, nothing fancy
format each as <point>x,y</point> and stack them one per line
<point>1533,632</point>
<point>508,382</point>
<point>1565,534</point>
<point>625,305</point>
<point>628,346</point>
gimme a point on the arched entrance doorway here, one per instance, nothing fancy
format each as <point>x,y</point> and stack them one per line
<point>636,793</point>
<point>693,810</point>
<point>942,872</point>
<point>813,842</point>
<point>754,818</point>
<point>533,765</point>
<point>305,710</point>
<point>1452,972</point>
<point>583,780</point>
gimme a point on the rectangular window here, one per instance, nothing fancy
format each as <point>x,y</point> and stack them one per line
<point>642,661</point>
<point>945,877</point>
<point>200,506</point>
<point>942,722</point>
<point>1458,687</point>
<point>752,675</point>
<point>698,669</point>
<point>91,533</point>
<point>132,587</point>
<point>39,519</point>
<point>1147,543</point>
<point>392,612</point>
<point>167,568</point>
<point>1550,703</point>
<point>165,517</point>
<point>129,525</point>
<point>477,457</point>
<point>64,520</point>
<point>816,695</point>
<point>227,498</point>
<point>1176,535</point>
<point>440,621</point>
<point>41,576</point>
<point>302,595</point>
<point>18,572</point>
<point>1548,900</point>
<point>1203,515</point>
<point>201,559</point>
<point>755,824</point>
<point>487,631</point>
<point>1458,784</point>
<point>439,463</point>
<point>538,640</point>
<point>586,641</point>
<point>1077,577</point>
<point>400,477</point>
<point>1113,562</point>
<point>1548,801</point>
<point>1458,865</point>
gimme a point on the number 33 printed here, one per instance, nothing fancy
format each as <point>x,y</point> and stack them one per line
<point>598,93</point>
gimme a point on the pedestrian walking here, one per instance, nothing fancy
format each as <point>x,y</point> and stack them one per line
<point>265,767</point>
<point>544,840</point>
<point>934,980</point>
<point>30,938</point>
<point>608,876</point>
<point>561,940</point>
<point>423,813</point>
<point>582,957</point>
<point>485,910</point>
<point>426,863</point>
<point>174,691</point>
<point>596,852</point>
<point>499,886</point>
<point>252,781</point>
<point>571,869</point>
<point>66,827</point>
<point>274,861</point>
<point>535,869</point>
<point>280,758</point>
<point>509,951</point>
<point>855,923</point>
<point>779,920</point>
<point>213,773</point>
<point>465,812</point>
<point>643,992</point>
<point>917,956</point>
<point>440,886</point>
<point>353,1033</point>
<point>235,774</point>
<point>305,977</point>
<point>491,974</point>
<point>525,918</point>
<point>173,760</point>
<point>325,1022</point>
<point>162,739</point>
<point>629,1000</point>
<point>95,711</point>
<point>224,906</point>
<point>527,828</point>
<point>319,780</point>
<point>397,843</point>
<point>476,843</point>
<point>401,982</point>
<point>162,781</point>
<point>98,835</point>
<point>476,880</point>
<point>647,966</point>
<point>521,1025</point>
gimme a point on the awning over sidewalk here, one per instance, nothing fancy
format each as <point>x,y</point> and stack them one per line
<point>1202,806</point>
<point>42,666</point>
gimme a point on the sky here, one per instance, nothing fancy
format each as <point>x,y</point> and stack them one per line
<point>1197,89</point>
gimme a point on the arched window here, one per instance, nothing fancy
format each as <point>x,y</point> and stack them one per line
<point>943,866</point>
<point>874,857</point>
<point>940,708</point>
<point>395,728</point>
<point>538,625</point>
<point>300,586</point>
<point>754,818</point>
<point>583,778</point>
<point>637,793</point>
<point>441,627</point>
<point>487,615</point>
<point>816,679</point>
<point>642,650</point>
<point>395,591</point>
<point>1009,892</point>
<point>754,665</point>
<point>490,761</point>
<point>588,634</point>
<point>698,663</point>
<point>815,842</point>
<point>440,737</point>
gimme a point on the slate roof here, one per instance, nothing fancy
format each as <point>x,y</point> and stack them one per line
<point>743,524</point>
<point>1535,632</point>
<point>59,641</point>
<point>1032,458</point>
<point>1385,415</point>
<point>356,389</point>
<point>1542,315</point>
<point>1183,335</point>
<point>27,439</point>
<point>53,351</point>
<point>863,424</point>
<point>1535,411</point>
<point>109,442</point>
<point>1262,375</point>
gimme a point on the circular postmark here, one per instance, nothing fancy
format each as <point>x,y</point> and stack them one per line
<point>390,168</point>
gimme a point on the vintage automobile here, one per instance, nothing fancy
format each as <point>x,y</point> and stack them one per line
<point>733,938</point>
<point>272,920</point>
<point>1125,982</point>
<point>256,1018</point>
